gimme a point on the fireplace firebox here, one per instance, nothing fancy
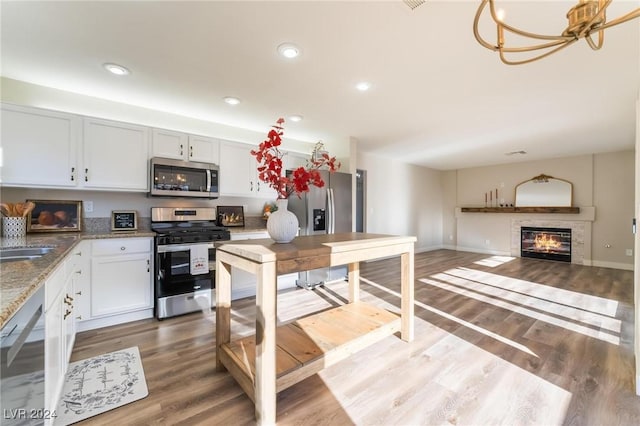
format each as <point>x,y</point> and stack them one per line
<point>546,243</point>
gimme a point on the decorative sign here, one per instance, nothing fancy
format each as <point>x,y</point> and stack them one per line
<point>124,220</point>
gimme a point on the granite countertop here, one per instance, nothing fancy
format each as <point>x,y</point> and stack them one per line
<point>19,280</point>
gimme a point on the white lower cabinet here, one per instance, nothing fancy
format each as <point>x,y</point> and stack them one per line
<point>121,276</point>
<point>60,332</point>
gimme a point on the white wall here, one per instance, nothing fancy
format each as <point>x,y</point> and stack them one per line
<point>403,199</point>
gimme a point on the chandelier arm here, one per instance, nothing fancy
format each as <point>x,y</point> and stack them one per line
<point>591,43</point>
<point>535,58</point>
<point>556,40</point>
<point>476,33</point>
<point>624,18</point>
<point>537,46</point>
<point>536,36</point>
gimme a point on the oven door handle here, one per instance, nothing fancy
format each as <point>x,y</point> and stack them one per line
<point>179,247</point>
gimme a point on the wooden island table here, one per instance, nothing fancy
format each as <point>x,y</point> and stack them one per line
<point>278,357</point>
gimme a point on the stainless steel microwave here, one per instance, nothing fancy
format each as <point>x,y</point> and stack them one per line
<point>175,178</point>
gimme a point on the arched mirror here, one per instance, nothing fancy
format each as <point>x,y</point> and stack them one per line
<point>544,191</point>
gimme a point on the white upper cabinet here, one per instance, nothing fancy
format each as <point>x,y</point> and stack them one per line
<point>40,147</point>
<point>239,173</point>
<point>204,149</point>
<point>169,144</point>
<point>115,155</point>
<point>181,146</point>
<point>293,160</point>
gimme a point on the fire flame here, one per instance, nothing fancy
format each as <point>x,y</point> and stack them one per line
<point>546,242</point>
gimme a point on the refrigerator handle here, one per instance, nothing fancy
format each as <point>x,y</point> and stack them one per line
<point>332,212</point>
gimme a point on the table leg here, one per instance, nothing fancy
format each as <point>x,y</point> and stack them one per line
<point>266,318</point>
<point>354,282</point>
<point>407,288</point>
<point>223,308</point>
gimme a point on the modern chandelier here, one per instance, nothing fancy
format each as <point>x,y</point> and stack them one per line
<point>587,20</point>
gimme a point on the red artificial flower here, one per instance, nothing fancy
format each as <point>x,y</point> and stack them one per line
<point>269,157</point>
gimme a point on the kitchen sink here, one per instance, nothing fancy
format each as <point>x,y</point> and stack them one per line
<point>22,253</point>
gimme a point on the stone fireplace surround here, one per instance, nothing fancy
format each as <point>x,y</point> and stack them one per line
<point>580,233</point>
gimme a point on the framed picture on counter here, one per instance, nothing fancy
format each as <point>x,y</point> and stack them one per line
<point>55,216</point>
<point>124,220</point>
<point>230,216</point>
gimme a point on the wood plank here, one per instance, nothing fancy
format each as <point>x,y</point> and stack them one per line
<point>566,210</point>
<point>313,343</point>
<point>354,281</point>
<point>223,307</point>
<point>266,320</point>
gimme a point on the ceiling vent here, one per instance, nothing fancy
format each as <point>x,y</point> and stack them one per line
<point>413,3</point>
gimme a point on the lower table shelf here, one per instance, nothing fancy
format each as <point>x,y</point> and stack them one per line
<point>310,344</point>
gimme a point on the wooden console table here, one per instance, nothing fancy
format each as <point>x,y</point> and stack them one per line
<point>278,357</point>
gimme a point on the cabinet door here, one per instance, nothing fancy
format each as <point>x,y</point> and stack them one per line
<point>115,155</point>
<point>39,147</point>
<point>204,149</point>
<point>169,144</point>
<point>120,284</point>
<point>237,170</point>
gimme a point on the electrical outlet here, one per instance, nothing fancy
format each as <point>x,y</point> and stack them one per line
<point>629,252</point>
<point>88,206</point>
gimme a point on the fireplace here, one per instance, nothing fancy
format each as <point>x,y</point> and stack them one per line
<point>546,243</point>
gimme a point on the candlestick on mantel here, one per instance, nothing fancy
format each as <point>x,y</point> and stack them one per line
<point>485,199</point>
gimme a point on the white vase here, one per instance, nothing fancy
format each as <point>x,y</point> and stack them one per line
<point>282,224</point>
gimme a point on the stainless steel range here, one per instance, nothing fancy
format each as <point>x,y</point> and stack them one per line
<point>185,250</point>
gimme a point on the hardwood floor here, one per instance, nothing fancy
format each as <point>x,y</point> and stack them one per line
<point>498,341</point>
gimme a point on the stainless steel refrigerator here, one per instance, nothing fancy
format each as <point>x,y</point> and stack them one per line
<point>325,210</point>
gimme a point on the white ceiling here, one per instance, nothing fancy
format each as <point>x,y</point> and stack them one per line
<point>438,98</point>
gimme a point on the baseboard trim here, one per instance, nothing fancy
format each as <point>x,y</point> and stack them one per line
<point>483,251</point>
<point>613,265</point>
<point>429,248</point>
<point>94,323</point>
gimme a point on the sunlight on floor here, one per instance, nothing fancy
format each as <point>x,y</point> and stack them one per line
<point>565,297</point>
<point>502,298</point>
<point>440,378</point>
<point>457,320</point>
<point>494,261</point>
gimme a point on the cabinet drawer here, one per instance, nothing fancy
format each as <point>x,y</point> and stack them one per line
<point>121,246</point>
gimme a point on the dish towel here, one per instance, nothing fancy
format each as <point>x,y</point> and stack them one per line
<point>199,259</point>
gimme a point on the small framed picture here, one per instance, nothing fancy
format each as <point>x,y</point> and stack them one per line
<point>55,216</point>
<point>124,220</point>
<point>230,216</point>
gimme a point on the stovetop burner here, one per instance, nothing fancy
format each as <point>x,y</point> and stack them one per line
<point>174,226</point>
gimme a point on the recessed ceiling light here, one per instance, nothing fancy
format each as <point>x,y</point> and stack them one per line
<point>363,86</point>
<point>296,118</point>
<point>289,50</point>
<point>231,100</point>
<point>116,69</point>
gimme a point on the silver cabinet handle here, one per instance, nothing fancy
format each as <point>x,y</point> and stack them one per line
<point>251,189</point>
<point>86,175</point>
<point>181,150</point>
<point>123,248</point>
<point>190,151</point>
<point>73,169</point>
